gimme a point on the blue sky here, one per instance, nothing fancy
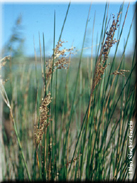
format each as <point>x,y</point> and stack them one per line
<point>39,18</point>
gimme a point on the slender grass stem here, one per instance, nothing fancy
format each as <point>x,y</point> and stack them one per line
<point>19,143</point>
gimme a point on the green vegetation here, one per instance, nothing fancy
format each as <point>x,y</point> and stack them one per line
<point>70,116</point>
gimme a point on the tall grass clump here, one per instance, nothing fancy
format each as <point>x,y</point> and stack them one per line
<point>70,122</point>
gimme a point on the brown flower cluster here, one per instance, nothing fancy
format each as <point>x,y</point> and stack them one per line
<point>109,41</point>
<point>39,130</point>
<point>60,60</point>
<point>120,72</point>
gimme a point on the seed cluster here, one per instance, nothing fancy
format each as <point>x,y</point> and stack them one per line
<point>101,62</point>
<point>60,60</point>
<point>39,131</point>
<point>120,72</point>
<point>109,40</point>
